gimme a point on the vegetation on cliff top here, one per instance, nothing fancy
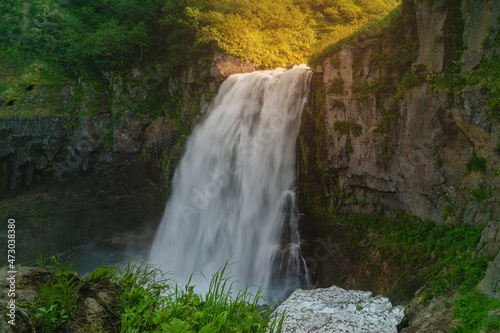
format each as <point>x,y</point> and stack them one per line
<point>47,43</point>
<point>114,34</point>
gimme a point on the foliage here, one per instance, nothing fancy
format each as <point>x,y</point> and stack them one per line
<point>336,103</point>
<point>55,305</point>
<point>476,163</point>
<point>497,148</point>
<point>333,37</point>
<point>347,127</point>
<point>478,192</point>
<point>448,211</point>
<point>473,310</point>
<point>348,145</point>
<point>113,34</point>
<point>78,46</point>
<point>487,77</point>
<point>100,274</point>
<point>441,254</point>
<point>150,302</point>
<point>361,89</point>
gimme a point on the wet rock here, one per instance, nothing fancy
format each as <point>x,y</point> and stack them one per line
<point>489,244</point>
<point>95,308</point>
<point>478,16</point>
<point>338,310</point>
<point>5,146</point>
<point>133,126</point>
<point>430,21</point>
<point>473,108</point>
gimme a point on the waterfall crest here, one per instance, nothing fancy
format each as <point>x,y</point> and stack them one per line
<point>233,192</point>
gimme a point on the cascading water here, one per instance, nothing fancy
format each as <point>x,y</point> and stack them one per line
<point>233,193</point>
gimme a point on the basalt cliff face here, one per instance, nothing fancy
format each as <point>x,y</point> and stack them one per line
<point>419,163</point>
<point>397,124</point>
<point>357,157</point>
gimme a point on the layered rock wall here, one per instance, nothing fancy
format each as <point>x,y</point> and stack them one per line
<point>402,126</point>
<point>373,150</point>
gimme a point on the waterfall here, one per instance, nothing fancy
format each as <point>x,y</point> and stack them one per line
<point>233,195</point>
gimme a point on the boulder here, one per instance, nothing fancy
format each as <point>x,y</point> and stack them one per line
<point>336,310</point>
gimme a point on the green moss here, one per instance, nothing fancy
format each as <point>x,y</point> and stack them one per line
<point>348,146</point>
<point>497,148</point>
<point>335,61</point>
<point>336,103</point>
<point>361,89</point>
<point>448,211</point>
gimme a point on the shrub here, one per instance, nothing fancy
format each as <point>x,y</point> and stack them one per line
<point>476,163</point>
<point>478,192</point>
<point>347,127</point>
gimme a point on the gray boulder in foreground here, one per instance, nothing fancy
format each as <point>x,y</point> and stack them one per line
<point>336,310</point>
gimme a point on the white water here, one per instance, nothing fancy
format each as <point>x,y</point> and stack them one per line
<point>233,193</point>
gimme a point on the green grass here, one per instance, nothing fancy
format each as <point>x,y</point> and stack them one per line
<point>55,305</point>
<point>150,302</point>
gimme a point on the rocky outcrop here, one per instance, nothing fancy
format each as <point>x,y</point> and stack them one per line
<point>375,148</point>
<point>38,150</point>
<point>395,123</point>
<point>490,285</point>
<point>28,282</point>
<point>95,309</point>
<point>224,65</point>
<point>337,310</point>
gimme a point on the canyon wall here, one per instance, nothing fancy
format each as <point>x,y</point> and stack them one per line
<point>423,144</point>
<point>403,121</point>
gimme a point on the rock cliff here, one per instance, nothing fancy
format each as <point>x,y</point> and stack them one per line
<point>402,119</point>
